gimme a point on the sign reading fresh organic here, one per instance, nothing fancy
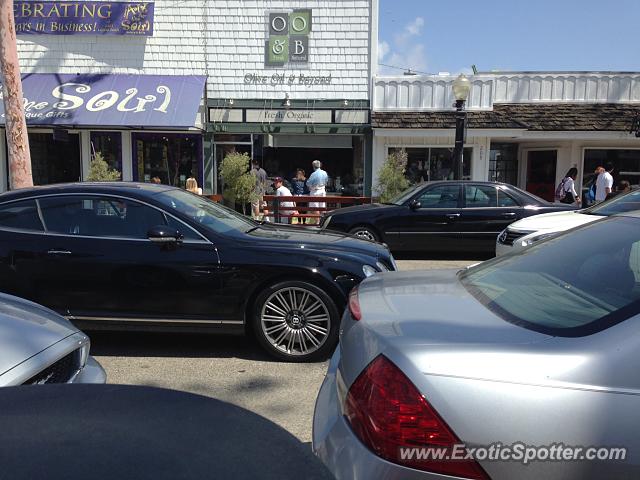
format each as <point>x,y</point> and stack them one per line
<point>83,18</point>
<point>288,38</point>
<point>111,100</point>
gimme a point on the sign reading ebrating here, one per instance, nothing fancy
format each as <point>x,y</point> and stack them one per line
<point>83,18</point>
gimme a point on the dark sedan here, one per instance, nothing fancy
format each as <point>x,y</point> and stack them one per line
<point>128,255</point>
<point>446,216</point>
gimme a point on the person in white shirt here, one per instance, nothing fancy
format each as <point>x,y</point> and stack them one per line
<point>604,183</point>
<point>317,183</point>
<point>566,191</point>
<point>285,206</point>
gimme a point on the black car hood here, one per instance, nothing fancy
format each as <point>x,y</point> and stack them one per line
<point>323,240</point>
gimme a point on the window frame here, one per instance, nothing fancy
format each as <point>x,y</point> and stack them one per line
<point>45,231</point>
<point>447,183</point>
<point>25,230</point>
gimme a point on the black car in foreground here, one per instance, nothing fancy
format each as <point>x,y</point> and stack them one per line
<point>445,216</point>
<point>131,255</point>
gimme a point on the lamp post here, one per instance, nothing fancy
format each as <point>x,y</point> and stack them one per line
<point>461,87</point>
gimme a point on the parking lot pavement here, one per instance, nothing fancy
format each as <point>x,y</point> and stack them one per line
<point>233,369</point>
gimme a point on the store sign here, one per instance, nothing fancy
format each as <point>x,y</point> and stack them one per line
<point>288,38</point>
<point>278,79</point>
<point>83,18</point>
<point>288,116</point>
<point>111,100</point>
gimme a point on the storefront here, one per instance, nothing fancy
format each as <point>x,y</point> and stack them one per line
<point>144,126</point>
<point>283,140</point>
<point>527,129</point>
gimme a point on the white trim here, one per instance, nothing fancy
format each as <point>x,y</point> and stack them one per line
<point>85,154</point>
<point>446,132</point>
<point>373,47</point>
<point>576,135</point>
<point>127,153</point>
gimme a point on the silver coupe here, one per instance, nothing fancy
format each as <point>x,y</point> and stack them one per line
<point>38,346</point>
<point>522,367</point>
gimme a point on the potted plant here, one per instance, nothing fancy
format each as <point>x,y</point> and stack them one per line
<point>391,177</point>
<point>239,183</point>
<point>99,170</point>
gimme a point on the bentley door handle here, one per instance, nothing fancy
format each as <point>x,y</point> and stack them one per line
<point>59,252</point>
<point>509,215</point>
<point>452,216</point>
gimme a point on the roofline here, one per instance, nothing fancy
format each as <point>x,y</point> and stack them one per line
<point>558,72</point>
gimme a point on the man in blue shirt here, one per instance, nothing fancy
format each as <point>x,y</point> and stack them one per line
<point>317,183</point>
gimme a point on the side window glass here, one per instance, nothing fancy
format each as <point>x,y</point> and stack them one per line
<point>99,216</point>
<point>186,231</point>
<point>477,196</point>
<point>506,200</point>
<point>440,196</point>
<point>21,215</point>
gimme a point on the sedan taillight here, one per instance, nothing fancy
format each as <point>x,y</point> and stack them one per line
<point>388,413</point>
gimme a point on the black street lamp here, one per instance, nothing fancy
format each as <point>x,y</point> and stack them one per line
<point>461,87</point>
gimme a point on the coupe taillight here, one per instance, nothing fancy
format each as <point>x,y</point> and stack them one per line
<point>354,304</point>
<point>388,413</point>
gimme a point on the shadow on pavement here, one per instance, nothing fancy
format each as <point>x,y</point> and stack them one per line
<point>114,431</point>
<point>187,345</point>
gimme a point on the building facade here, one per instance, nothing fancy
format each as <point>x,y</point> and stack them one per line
<point>526,129</point>
<point>286,81</point>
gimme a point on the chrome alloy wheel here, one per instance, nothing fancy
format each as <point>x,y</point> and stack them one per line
<point>364,234</point>
<point>295,321</point>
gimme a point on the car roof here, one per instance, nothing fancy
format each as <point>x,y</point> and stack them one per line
<point>132,188</point>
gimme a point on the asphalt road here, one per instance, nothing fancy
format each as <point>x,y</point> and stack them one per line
<point>232,369</point>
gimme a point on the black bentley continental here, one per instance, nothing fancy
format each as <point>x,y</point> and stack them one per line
<point>143,256</point>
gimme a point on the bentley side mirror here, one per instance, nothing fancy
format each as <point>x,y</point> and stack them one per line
<point>414,205</point>
<point>163,235</point>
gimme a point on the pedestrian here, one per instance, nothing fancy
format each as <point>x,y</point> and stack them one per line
<point>604,183</point>
<point>156,180</point>
<point>566,191</point>
<point>317,184</point>
<point>590,194</point>
<point>299,183</point>
<point>623,187</point>
<point>191,185</point>
<point>299,187</point>
<point>261,186</point>
<point>286,207</point>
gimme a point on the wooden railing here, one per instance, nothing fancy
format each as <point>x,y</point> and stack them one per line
<point>306,210</point>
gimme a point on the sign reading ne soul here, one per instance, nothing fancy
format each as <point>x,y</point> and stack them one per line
<point>83,18</point>
<point>112,100</point>
<point>288,38</point>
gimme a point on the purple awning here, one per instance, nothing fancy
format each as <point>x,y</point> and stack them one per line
<point>111,100</point>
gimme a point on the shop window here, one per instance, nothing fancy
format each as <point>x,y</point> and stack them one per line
<point>427,164</point>
<point>167,158</point>
<point>626,164</point>
<point>21,215</point>
<point>109,145</point>
<point>503,163</point>
<point>54,159</point>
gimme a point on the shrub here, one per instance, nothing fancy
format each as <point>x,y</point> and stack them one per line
<point>391,179</point>
<point>239,183</point>
<point>99,170</point>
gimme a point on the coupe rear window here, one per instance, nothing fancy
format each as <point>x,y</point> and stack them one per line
<point>577,284</point>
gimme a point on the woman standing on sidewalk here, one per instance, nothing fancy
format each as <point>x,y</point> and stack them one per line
<point>566,191</point>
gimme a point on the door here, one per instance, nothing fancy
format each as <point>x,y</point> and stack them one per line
<point>487,211</point>
<point>99,262</point>
<point>541,173</point>
<point>431,225</point>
